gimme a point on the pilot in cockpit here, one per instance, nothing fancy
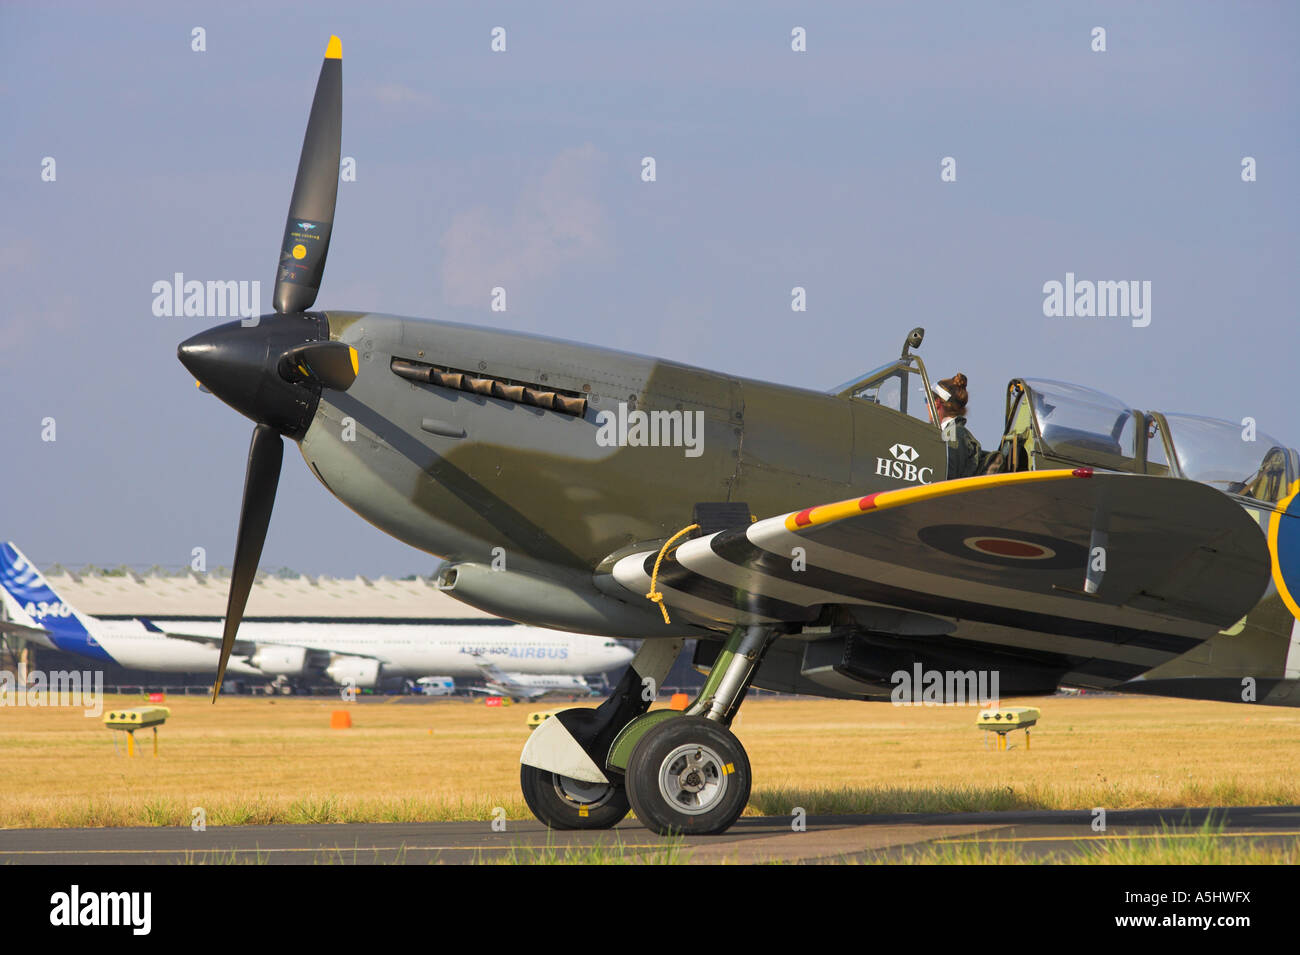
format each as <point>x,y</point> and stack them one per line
<point>964,452</point>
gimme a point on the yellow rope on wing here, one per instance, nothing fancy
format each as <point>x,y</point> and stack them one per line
<point>654,594</point>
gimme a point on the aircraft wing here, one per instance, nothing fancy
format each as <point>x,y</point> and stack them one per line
<point>1086,561</point>
<point>244,648</point>
<point>241,648</point>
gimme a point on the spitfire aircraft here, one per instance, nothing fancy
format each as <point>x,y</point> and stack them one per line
<point>809,541</point>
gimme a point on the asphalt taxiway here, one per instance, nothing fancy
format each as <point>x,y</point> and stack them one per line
<point>751,840</point>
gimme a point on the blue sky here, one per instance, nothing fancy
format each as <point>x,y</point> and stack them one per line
<point>522,169</point>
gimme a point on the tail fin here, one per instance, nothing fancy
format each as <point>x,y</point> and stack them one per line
<point>30,601</point>
<point>490,670</point>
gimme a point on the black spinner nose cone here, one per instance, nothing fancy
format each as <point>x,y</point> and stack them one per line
<point>239,363</point>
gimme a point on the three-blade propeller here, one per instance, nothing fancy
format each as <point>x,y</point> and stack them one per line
<point>264,456</point>
<point>273,371</point>
<point>311,211</point>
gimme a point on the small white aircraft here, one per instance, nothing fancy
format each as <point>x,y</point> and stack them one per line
<point>527,686</point>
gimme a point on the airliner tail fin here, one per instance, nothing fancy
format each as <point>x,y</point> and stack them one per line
<point>30,601</point>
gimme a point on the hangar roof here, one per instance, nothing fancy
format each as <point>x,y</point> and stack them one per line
<point>126,593</point>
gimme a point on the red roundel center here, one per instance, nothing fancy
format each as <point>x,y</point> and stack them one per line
<point>1006,547</point>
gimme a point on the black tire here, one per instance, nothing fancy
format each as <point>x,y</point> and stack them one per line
<point>558,801</point>
<point>722,771</point>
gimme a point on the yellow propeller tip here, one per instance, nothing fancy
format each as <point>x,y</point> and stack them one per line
<point>335,50</point>
<point>356,366</point>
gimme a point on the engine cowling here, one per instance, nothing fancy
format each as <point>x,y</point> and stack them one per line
<point>361,672</point>
<point>289,661</point>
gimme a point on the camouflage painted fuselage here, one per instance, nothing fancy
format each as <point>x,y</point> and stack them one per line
<point>538,483</point>
<point>487,481</point>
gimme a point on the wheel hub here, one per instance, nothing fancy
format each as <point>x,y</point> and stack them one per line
<point>692,778</point>
<point>583,793</point>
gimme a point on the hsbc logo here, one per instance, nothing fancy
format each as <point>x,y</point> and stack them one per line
<point>902,465</point>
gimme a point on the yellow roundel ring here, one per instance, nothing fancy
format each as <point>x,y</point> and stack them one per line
<point>1284,548</point>
<point>299,251</point>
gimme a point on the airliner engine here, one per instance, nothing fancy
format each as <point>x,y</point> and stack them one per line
<point>362,672</point>
<point>289,661</point>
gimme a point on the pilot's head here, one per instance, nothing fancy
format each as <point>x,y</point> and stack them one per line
<point>950,396</point>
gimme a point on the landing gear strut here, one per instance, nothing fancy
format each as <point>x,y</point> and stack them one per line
<point>681,772</point>
<point>689,774</point>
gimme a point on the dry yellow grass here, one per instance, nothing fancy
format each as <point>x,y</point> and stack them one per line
<point>1122,752</point>
<point>254,760</point>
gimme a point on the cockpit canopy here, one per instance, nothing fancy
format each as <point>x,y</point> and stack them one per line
<point>1062,424</point>
<point>1053,424</point>
<point>1072,418</point>
<point>1228,455</point>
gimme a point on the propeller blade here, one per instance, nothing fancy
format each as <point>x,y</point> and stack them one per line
<point>264,456</point>
<point>332,364</point>
<point>311,211</point>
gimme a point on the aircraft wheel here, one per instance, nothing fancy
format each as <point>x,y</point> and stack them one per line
<point>564,803</point>
<point>688,775</point>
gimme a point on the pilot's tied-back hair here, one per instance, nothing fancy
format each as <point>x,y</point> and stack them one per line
<point>955,406</point>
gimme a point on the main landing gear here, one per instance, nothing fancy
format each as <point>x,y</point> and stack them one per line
<point>681,772</point>
<point>688,775</point>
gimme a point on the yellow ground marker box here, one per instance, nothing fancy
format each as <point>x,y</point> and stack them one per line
<point>1005,719</point>
<point>537,717</point>
<point>1008,718</point>
<point>136,718</point>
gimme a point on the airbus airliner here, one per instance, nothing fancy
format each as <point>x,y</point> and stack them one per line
<point>360,655</point>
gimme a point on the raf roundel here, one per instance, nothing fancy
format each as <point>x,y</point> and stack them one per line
<point>1009,547</point>
<point>1005,547</point>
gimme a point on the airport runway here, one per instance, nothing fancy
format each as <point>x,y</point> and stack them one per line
<point>756,839</point>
